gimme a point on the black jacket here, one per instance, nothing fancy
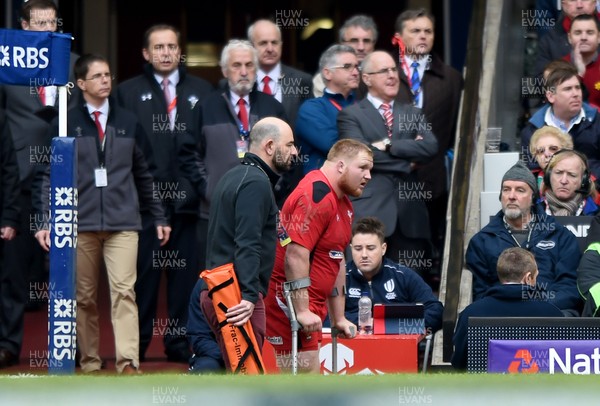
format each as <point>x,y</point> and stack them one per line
<point>178,179</point>
<point>500,301</point>
<point>115,207</point>
<point>220,132</point>
<point>242,225</point>
<point>9,180</point>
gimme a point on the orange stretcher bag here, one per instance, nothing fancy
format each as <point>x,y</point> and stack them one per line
<point>242,349</point>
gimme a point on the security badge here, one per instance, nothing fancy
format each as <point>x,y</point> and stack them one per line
<point>242,148</point>
<point>100,177</point>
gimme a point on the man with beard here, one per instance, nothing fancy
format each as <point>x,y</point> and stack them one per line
<point>242,226</point>
<point>315,229</point>
<point>228,115</point>
<point>523,224</point>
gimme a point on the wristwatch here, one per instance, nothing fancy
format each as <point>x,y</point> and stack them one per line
<point>388,144</point>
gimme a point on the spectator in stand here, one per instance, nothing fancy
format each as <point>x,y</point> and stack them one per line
<point>386,281</point>
<point>316,127</point>
<point>584,37</point>
<point>522,223</point>
<point>435,87</point>
<point>359,32</point>
<point>555,44</point>
<point>545,142</point>
<point>514,296</point>
<point>567,189</point>
<point>291,87</point>
<point>566,111</point>
<point>400,138</point>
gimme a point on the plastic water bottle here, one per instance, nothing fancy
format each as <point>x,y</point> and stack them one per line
<point>365,314</point>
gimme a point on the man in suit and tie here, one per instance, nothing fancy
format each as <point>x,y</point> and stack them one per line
<point>401,139</point>
<point>434,87</point>
<point>291,87</point>
<point>288,85</point>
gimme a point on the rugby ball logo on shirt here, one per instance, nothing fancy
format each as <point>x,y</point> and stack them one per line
<point>389,287</point>
<point>546,245</point>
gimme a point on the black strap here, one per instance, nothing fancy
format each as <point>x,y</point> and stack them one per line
<point>220,286</point>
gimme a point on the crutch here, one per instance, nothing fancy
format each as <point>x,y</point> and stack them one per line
<point>287,293</point>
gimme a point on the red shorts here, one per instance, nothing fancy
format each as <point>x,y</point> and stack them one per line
<point>279,330</point>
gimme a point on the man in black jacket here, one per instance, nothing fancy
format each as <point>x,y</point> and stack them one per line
<point>166,100</point>
<point>515,297</point>
<point>242,225</point>
<point>9,222</point>
<point>113,180</point>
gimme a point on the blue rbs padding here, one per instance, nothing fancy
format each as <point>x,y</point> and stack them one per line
<point>31,58</point>
<point>62,304</point>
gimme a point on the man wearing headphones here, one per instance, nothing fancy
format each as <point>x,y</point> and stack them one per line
<point>522,223</point>
<point>567,189</point>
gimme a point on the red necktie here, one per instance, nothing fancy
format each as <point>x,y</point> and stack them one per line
<point>42,94</point>
<point>243,114</point>
<point>99,126</point>
<point>388,117</point>
<point>266,87</point>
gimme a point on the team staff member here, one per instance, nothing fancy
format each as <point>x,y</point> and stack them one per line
<point>242,227</point>
<point>166,100</point>
<point>317,217</point>
<point>113,178</point>
<point>386,281</point>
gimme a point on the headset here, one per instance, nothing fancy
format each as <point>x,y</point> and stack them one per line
<point>585,179</point>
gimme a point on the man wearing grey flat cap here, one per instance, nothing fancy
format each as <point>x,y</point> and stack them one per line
<point>522,223</point>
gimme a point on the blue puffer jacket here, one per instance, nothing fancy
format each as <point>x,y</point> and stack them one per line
<point>555,249</point>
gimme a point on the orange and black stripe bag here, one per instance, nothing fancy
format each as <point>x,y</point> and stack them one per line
<point>242,349</point>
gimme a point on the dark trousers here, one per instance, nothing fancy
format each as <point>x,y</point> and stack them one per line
<point>23,261</point>
<point>179,260</point>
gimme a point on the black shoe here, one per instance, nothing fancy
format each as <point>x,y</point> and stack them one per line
<point>181,355</point>
<point>7,358</point>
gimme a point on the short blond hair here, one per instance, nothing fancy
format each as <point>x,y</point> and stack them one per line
<point>565,139</point>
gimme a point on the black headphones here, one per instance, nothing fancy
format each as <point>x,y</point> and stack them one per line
<point>585,179</point>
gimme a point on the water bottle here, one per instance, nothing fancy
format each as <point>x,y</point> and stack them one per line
<point>365,315</point>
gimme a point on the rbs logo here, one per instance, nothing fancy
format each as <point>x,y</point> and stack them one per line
<point>29,57</point>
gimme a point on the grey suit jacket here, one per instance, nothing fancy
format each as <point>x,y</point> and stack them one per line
<point>393,195</point>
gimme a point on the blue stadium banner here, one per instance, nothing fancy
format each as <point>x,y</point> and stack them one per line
<point>62,303</point>
<point>32,58</point>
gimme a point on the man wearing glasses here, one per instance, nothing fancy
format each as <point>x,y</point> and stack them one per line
<point>113,181</point>
<point>401,138</point>
<point>316,126</point>
<point>359,32</point>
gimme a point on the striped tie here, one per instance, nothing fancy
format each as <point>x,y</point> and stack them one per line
<point>388,117</point>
